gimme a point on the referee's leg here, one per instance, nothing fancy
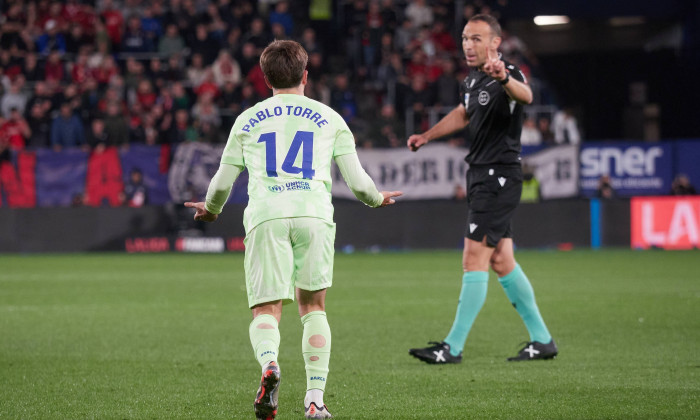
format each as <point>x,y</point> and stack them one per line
<point>519,290</point>
<point>475,261</point>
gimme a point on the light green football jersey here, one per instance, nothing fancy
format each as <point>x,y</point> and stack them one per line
<point>287,143</point>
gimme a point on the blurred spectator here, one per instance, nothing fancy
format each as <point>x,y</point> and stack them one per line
<point>145,95</point>
<point>226,69</point>
<point>31,70</point>
<point>76,39</point>
<point>14,99</point>
<point>51,12</point>
<point>151,25</point>
<point>174,69</point>
<point>135,192</point>
<point>309,42</point>
<point>79,70</point>
<point>181,131</point>
<point>387,130</point>
<point>208,85</point>
<point>113,21</point>
<point>15,130</point>
<point>42,97</point>
<point>460,193</point>
<point>530,135</point>
<point>136,39</point>
<point>545,130</point>
<point>116,127</point>
<point>418,97</point>
<point>97,138</point>
<point>257,35</point>
<point>605,188</point>
<point>203,44</point>
<point>171,42</point>
<point>447,85</point>
<point>54,70</point>
<point>106,71</point>
<point>248,58</point>
<point>156,72</point>
<point>420,65</point>
<point>282,16</point>
<point>196,71</point>
<point>205,111</point>
<point>404,35</point>
<point>565,127</point>
<point>419,13</point>
<point>343,98</point>
<point>40,123</point>
<point>51,39</point>
<point>443,41</point>
<point>180,98</point>
<point>531,186</point>
<point>681,186</point>
<point>67,129</point>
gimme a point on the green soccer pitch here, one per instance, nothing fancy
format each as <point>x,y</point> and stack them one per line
<point>115,336</point>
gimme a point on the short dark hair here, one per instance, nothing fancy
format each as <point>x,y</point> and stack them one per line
<point>283,63</point>
<point>490,20</point>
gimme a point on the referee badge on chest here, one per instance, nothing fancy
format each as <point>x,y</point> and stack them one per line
<point>484,97</point>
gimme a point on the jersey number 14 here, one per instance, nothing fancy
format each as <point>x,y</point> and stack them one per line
<point>303,140</point>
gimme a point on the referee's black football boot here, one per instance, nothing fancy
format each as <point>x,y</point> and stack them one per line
<point>534,350</point>
<point>437,354</point>
<point>266,399</point>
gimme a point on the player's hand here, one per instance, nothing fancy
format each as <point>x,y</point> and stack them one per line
<point>389,197</point>
<point>201,215</point>
<point>494,67</point>
<point>416,141</point>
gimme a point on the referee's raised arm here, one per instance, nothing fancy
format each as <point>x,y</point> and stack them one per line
<point>455,120</point>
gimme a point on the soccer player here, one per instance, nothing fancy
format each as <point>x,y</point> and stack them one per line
<point>492,98</point>
<point>287,143</point>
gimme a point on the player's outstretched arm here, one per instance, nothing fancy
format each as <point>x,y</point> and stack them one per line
<point>217,194</point>
<point>361,184</point>
<point>455,120</point>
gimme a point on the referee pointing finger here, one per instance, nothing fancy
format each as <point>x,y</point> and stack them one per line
<point>491,108</point>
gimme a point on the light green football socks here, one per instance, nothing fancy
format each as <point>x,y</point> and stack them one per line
<point>265,338</point>
<point>471,300</point>
<point>520,293</point>
<point>316,348</point>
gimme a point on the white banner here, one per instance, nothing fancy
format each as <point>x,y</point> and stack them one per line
<point>431,173</point>
<point>438,169</point>
<point>556,168</point>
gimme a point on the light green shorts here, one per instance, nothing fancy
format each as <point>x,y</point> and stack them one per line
<point>282,254</point>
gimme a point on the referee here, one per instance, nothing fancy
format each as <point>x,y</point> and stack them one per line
<point>491,107</point>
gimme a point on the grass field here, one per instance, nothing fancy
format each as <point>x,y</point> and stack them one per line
<point>116,336</point>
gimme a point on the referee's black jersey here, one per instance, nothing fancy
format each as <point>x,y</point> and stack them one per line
<point>495,120</point>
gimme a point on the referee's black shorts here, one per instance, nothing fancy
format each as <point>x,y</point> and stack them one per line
<point>493,193</point>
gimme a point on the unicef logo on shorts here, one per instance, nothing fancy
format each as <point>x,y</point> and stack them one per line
<point>276,188</point>
<point>484,97</point>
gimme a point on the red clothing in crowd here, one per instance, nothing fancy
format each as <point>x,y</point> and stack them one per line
<point>114,24</point>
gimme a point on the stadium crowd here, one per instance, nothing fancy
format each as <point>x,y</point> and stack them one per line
<point>98,73</point>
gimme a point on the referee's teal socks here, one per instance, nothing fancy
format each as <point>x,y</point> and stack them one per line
<point>520,293</point>
<point>471,299</point>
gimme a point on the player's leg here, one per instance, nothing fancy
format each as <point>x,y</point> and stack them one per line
<point>268,267</point>
<point>316,349</point>
<point>520,293</point>
<point>313,246</point>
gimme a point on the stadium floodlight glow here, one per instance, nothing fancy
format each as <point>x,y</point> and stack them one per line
<point>551,20</point>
